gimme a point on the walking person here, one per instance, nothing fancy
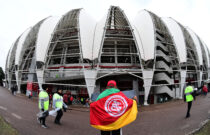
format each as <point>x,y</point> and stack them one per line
<point>65,98</point>
<point>58,105</point>
<point>29,93</point>
<point>71,99</point>
<point>50,97</point>
<point>205,90</point>
<point>14,89</point>
<point>107,113</point>
<point>188,93</point>
<point>82,100</point>
<point>43,106</point>
<point>87,102</point>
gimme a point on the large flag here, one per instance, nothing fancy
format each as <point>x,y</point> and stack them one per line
<point>112,112</point>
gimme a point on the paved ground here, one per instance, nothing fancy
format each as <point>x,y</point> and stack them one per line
<point>162,119</point>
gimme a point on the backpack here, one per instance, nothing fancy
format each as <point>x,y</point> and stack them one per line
<point>71,98</point>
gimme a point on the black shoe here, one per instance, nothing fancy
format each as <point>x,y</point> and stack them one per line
<point>187,116</point>
<point>58,123</point>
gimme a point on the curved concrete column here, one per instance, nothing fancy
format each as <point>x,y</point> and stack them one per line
<point>90,79</point>
<point>183,79</point>
<point>18,81</point>
<point>148,77</point>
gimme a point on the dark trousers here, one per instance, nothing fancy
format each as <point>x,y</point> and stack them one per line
<point>13,92</point>
<point>113,132</point>
<point>58,116</point>
<point>43,117</point>
<point>205,93</point>
<point>42,120</point>
<point>189,104</point>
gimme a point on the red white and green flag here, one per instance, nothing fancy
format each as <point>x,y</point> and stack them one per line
<point>112,112</point>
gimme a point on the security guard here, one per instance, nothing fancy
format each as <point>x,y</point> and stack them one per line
<point>188,98</point>
<point>43,106</point>
<point>58,105</point>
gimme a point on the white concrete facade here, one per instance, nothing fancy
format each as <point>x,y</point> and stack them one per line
<point>76,49</point>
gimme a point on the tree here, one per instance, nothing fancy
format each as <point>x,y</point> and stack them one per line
<point>2,76</point>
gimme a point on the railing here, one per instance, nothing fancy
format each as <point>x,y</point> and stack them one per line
<point>162,77</point>
<point>161,64</point>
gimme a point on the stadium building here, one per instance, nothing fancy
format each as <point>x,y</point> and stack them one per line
<point>153,56</point>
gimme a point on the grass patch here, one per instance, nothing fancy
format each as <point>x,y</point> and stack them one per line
<point>6,129</point>
<point>204,131</point>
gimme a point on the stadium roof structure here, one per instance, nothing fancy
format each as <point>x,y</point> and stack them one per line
<point>160,51</point>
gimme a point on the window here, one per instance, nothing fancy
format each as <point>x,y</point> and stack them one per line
<point>124,59</point>
<point>55,60</point>
<point>135,59</point>
<point>107,59</point>
<point>71,60</point>
<point>58,51</point>
<point>73,49</point>
<point>123,49</point>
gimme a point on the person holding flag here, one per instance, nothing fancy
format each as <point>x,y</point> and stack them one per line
<point>112,111</point>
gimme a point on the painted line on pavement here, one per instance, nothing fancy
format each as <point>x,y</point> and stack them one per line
<point>185,126</point>
<point>16,116</point>
<point>3,108</point>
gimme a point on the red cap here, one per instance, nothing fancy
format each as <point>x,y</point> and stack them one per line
<point>112,83</point>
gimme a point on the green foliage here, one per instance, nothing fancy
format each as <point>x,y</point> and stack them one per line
<point>6,129</point>
<point>2,75</point>
<point>205,130</point>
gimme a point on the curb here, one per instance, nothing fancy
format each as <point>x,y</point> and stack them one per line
<point>202,124</point>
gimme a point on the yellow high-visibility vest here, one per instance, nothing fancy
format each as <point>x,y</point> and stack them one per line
<point>43,100</point>
<point>57,101</point>
<point>188,93</point>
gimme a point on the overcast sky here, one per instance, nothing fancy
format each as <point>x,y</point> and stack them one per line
<point>18,15</point>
